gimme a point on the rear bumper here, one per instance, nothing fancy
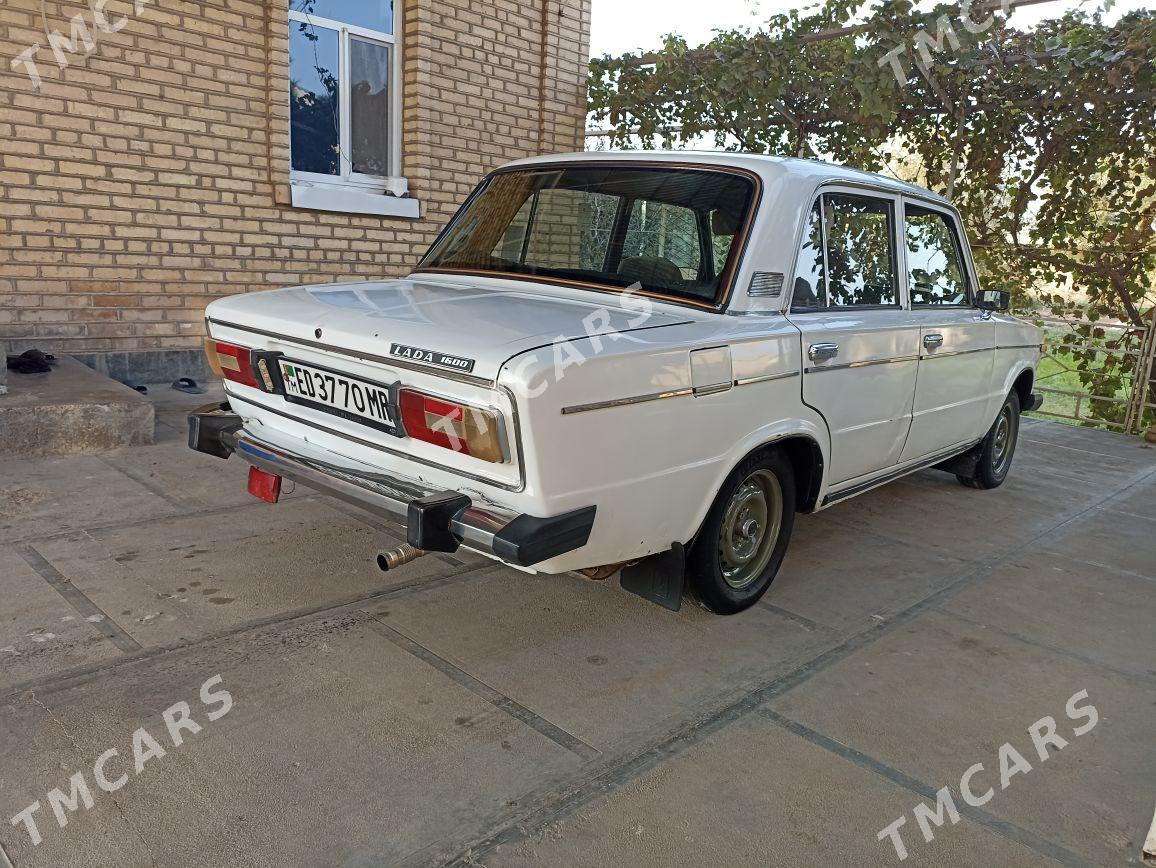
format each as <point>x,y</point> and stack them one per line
<point>435,520</point>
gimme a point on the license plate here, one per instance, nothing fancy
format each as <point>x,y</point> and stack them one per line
<point>349,397</point>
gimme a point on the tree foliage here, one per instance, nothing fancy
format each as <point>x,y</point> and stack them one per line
<point>1045,140</point>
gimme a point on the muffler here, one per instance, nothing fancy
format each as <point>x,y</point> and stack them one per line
<point>399,557</point>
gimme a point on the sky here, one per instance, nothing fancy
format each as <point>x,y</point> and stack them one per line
<point>619,26</point>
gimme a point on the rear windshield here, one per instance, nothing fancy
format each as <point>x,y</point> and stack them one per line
<point>675,231</point>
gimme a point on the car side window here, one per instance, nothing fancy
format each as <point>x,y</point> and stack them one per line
<point>934,265</point>
<point>860,253</point>
<point>847,255</point>
<point>810,292</point>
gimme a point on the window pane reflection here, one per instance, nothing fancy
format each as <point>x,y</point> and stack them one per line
<point>372,14</point>
<point>314,106</point>
<point>369,106</point>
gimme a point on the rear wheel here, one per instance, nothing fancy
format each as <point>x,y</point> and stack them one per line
<point>997,448</point>
<point>743,541</point>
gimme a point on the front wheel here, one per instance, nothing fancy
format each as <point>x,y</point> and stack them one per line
<point>997,448</point>
<point>743,541</point>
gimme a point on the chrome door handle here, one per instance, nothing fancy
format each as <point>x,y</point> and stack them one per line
<point>822,352</point>
<point>930,341</point>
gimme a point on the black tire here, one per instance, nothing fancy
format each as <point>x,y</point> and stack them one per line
<point>713,577</point>
<point>998,447</point>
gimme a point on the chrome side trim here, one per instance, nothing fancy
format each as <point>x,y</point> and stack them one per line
<point>712,389</point>
<point>365,357</point>
<point>922,464</point>
<point>245,399</point>
<point>623,402</point>
<point>863,364</point>
<point>942,353</point>
<point>1019,347</point>
<point>766,378</point>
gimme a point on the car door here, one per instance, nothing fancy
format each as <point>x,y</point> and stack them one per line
<point>957,341</point>
<point>860,344</point>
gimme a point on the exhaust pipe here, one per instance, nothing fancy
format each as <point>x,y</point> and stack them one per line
<point>399,557</point>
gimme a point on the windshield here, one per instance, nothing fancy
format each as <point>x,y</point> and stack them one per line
<point>675,231</point>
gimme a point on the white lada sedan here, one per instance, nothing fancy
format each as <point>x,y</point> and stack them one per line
<point>636,362</point>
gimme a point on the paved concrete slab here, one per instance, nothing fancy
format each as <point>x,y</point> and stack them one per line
<point>40,631</point>
<point>757,796</point>
<point>842,569</point>
<point>1072,439</point>
<point>1032,598</point>
<point>459,712</point>
<point>66,494</point>
<point>290,774</point>
<point>71,409</point>
<point>556,644</point>
<point>180,578</point>
<point>1093,794</point>
<point>1113,541</point>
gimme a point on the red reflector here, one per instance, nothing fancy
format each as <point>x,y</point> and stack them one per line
<point>236,364</point>
<point>264,485</point>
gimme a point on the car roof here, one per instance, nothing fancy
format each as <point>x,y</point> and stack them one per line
<point>768,167</point>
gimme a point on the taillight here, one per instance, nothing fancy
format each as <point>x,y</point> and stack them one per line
<point>230,362</point>
<point>460,427</point>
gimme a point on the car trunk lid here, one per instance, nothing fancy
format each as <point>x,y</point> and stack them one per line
<point>460,328</point>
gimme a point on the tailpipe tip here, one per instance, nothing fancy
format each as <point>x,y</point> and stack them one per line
<point>398,557</point>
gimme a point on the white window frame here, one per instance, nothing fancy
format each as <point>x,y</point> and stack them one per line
<point>317,190</point>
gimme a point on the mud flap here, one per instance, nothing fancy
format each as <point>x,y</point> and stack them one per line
<point>658,578</point>
<point>964,463</point>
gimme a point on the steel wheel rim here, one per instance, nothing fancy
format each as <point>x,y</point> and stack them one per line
<point>1001,447</point>
<point>750,529</point>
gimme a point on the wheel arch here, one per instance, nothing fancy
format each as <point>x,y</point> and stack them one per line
<point>806,457</point>
<point>808,461</point>
<point>1024,381</point>
<point>806,446</point>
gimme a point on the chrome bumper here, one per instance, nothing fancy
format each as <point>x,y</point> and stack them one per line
<point>435,520</point>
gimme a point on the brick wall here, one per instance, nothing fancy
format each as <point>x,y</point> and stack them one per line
<point>150,176</point>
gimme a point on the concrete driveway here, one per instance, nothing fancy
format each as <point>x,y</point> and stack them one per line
<point>460,712</point>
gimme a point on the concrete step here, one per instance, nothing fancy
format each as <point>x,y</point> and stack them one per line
<point>71,410</point>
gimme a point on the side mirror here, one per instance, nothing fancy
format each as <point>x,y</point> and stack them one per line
<point>993,299</point>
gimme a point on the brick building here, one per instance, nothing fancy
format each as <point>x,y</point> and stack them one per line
<point>157,154</point>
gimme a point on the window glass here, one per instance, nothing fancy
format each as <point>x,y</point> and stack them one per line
<point>568,229</point>
<point>724,226</point>
<point>314,104</point>
<point>371,14</point>
<point>934,266</point>
<point>810,281</point>
<point>369,105</point>
<point>860,256</point>
<point>664,239</point>
<point>615,226</point>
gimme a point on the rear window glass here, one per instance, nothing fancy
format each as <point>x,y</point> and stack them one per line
<point>671,230</point>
